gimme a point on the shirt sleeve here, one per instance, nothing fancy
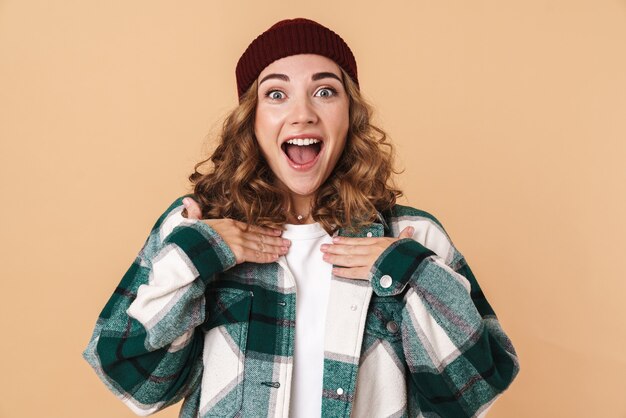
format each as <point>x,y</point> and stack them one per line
<point>458,357</point>
<point>146,345</point>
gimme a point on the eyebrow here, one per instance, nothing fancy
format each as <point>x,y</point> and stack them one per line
<point>276,76</point>
<point>314,77</point>
<point>319,76</point>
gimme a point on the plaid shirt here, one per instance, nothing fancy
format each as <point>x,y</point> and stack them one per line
<point>418,339</point>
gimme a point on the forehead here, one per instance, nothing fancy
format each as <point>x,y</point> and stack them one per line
<point>301,64</point>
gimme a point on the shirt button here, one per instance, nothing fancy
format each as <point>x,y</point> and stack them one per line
<point>385,281</point>
<point>392,326</point>
<point>369,235</point>
<point>339,391</point>
<point>353,307</point>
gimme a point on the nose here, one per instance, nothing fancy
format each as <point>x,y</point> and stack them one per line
<point>303,112</point>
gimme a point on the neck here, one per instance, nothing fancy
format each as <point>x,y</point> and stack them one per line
<point>301,210</point>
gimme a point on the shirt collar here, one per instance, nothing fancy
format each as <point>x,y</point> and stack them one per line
<point>378,228</point>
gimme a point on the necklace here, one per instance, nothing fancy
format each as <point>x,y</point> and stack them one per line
<point>300,218</point>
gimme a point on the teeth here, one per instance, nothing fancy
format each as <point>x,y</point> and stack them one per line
<point>301,142</point>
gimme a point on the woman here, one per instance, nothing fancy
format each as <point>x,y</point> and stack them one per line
<point>389,319</point>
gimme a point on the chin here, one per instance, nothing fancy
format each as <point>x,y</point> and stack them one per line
<point>302,189</point>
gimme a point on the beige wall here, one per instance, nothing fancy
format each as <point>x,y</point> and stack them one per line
<point>509,118</point>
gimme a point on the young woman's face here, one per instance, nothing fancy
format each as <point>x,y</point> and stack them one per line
<point>302,120</point>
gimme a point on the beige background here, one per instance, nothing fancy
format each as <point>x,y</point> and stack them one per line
<point>509,119</point>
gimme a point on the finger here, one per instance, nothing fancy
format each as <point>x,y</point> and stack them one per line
<point>348,260</point>
<point>359,273</point>
<point>345,249</point>
<point>265,239</point>
<point>255,256</point>
<point>234,232</point>
<point>261,242</point>
<point>355,241</point>
<point>264,247</point>
<point>193,209</point>
<point>270,232</point>
<point>407,232</point>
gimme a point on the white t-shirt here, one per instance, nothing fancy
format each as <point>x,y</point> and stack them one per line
<point>312,275</point>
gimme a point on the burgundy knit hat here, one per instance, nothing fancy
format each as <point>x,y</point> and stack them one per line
<point>292,37</point>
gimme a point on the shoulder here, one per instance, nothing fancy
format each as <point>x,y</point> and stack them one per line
<point>399,212</point>
<point>170,218</point>
<point>429,231</point>
<point>191,236</point>
<point>400,216</point>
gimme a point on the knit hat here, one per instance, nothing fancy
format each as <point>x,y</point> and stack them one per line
<point>292,37</point>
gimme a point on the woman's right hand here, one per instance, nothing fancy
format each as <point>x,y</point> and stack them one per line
<point>253,244</point>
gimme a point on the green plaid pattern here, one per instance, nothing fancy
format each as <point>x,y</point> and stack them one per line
<point>418,339</point>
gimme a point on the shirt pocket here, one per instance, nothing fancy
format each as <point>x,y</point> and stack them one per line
<point>225,343</point>
<point>384,318</point>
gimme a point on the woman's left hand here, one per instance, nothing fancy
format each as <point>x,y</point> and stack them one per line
<point>356,256</point>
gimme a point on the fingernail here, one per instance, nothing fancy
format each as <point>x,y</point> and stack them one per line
<point>286,242</point>
<point>324,247</point>
<point>186,201</point>
<point>284,249</point>
<point>411,230</point>
<point>336,239</point>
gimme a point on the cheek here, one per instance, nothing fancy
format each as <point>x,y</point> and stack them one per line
<point>265,150</point>
<point>341,119</point>
<point>258,126</point>
<point>262,132</point>
<point>342,125</point>
<point>267,119</point>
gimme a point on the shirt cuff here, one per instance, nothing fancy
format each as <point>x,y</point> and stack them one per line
<point>205,248</point>
<point>395,266</point>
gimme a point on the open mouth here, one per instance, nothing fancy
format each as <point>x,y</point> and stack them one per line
<point>302,151</point>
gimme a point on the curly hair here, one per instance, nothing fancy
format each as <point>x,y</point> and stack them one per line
<point>240,185</point>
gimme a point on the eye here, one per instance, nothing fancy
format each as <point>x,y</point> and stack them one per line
<point>326,92</point>
<point>275,94</point>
